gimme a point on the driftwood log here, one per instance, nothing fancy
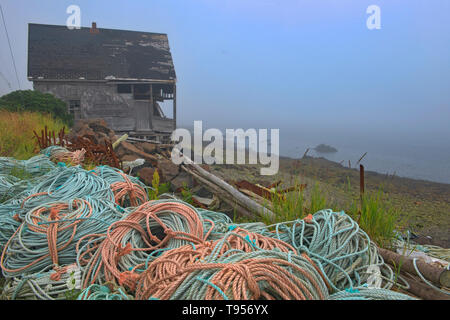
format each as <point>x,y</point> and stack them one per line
<point>420,289</point>
<point>438,276</point>
<point>220,193</point>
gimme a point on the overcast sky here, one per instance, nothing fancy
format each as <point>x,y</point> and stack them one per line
<point>309,64</point>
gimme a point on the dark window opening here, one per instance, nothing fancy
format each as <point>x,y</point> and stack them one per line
<point>75,109</point>
<point>124,88</point>
<point>142,91</point>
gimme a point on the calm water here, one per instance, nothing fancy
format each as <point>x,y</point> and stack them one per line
<point>414,158</point>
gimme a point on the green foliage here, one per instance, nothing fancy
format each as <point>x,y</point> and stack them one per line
<point>376,217</point>
<point>30,100</point>
<point>154,192</point>
<point>157,187</point>
<point>164,187</point>
<point>318,200</point>
<point>72,294</point>
<point>289,207</point>
<point>375,214</point>
<point>186,194</point>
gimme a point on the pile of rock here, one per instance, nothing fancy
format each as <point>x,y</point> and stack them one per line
<point>156,156</point>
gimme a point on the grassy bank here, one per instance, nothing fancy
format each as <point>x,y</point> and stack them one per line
<point>16,132</point>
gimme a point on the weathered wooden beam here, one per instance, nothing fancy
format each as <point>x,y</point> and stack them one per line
<point>240,198</point>
<point>174,106</point>
<point>436,275</point>
<point>143,140</point>
<point>219,193</point>
<point>150,115</point>
<point>422,290</point>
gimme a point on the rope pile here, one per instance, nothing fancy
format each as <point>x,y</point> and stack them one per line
<point>340,248</point>
<point>93,235</point>
<point>262,274</point>
<point>49,233</point>
<point>128,243</point>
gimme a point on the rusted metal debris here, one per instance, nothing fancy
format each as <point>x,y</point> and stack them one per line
<point>48,138</point>
<point>96,153</point>
<point>274,185</point>
<point>266,192</point>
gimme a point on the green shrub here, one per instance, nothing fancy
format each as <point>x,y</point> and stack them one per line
<point>35,101</point>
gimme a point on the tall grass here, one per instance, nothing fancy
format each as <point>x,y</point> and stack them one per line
<point>374,213</point>
<point>296,204</point>
<point>16,132</point>
<point>376,216</point>
<point>289,207</point>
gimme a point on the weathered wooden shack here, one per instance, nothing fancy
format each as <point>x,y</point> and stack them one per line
<point>118,75</point>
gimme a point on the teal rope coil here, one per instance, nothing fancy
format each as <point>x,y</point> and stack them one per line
<point>362,293</point>
<point>103,292</point>
<point>39,286</point>
<point>336,243</point>
<point>67,183</point>
<point>28,248</point>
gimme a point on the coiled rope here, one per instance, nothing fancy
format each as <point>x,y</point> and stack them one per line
<point>335,242</point>
<point>261,274</point>
<point>49,233</point>
<point>128,243</point>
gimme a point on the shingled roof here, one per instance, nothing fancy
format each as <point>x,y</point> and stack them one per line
<point>56,52</point>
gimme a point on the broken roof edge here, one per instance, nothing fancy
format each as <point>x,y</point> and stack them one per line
<point>104,80</point>
<point>122,30</point>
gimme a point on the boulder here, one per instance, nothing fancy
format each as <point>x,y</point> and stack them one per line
<point>146,175</point>
<point>167,169</point>
<point>182,179</point>
<point>148,147</point>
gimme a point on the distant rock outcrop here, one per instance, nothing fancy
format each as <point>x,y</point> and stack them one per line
<point>324,148</point>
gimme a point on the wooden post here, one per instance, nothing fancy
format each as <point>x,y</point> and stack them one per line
<point>150,120</point>
<point>361,190</point>
<point>361,183</point>
<point>361,179</point>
